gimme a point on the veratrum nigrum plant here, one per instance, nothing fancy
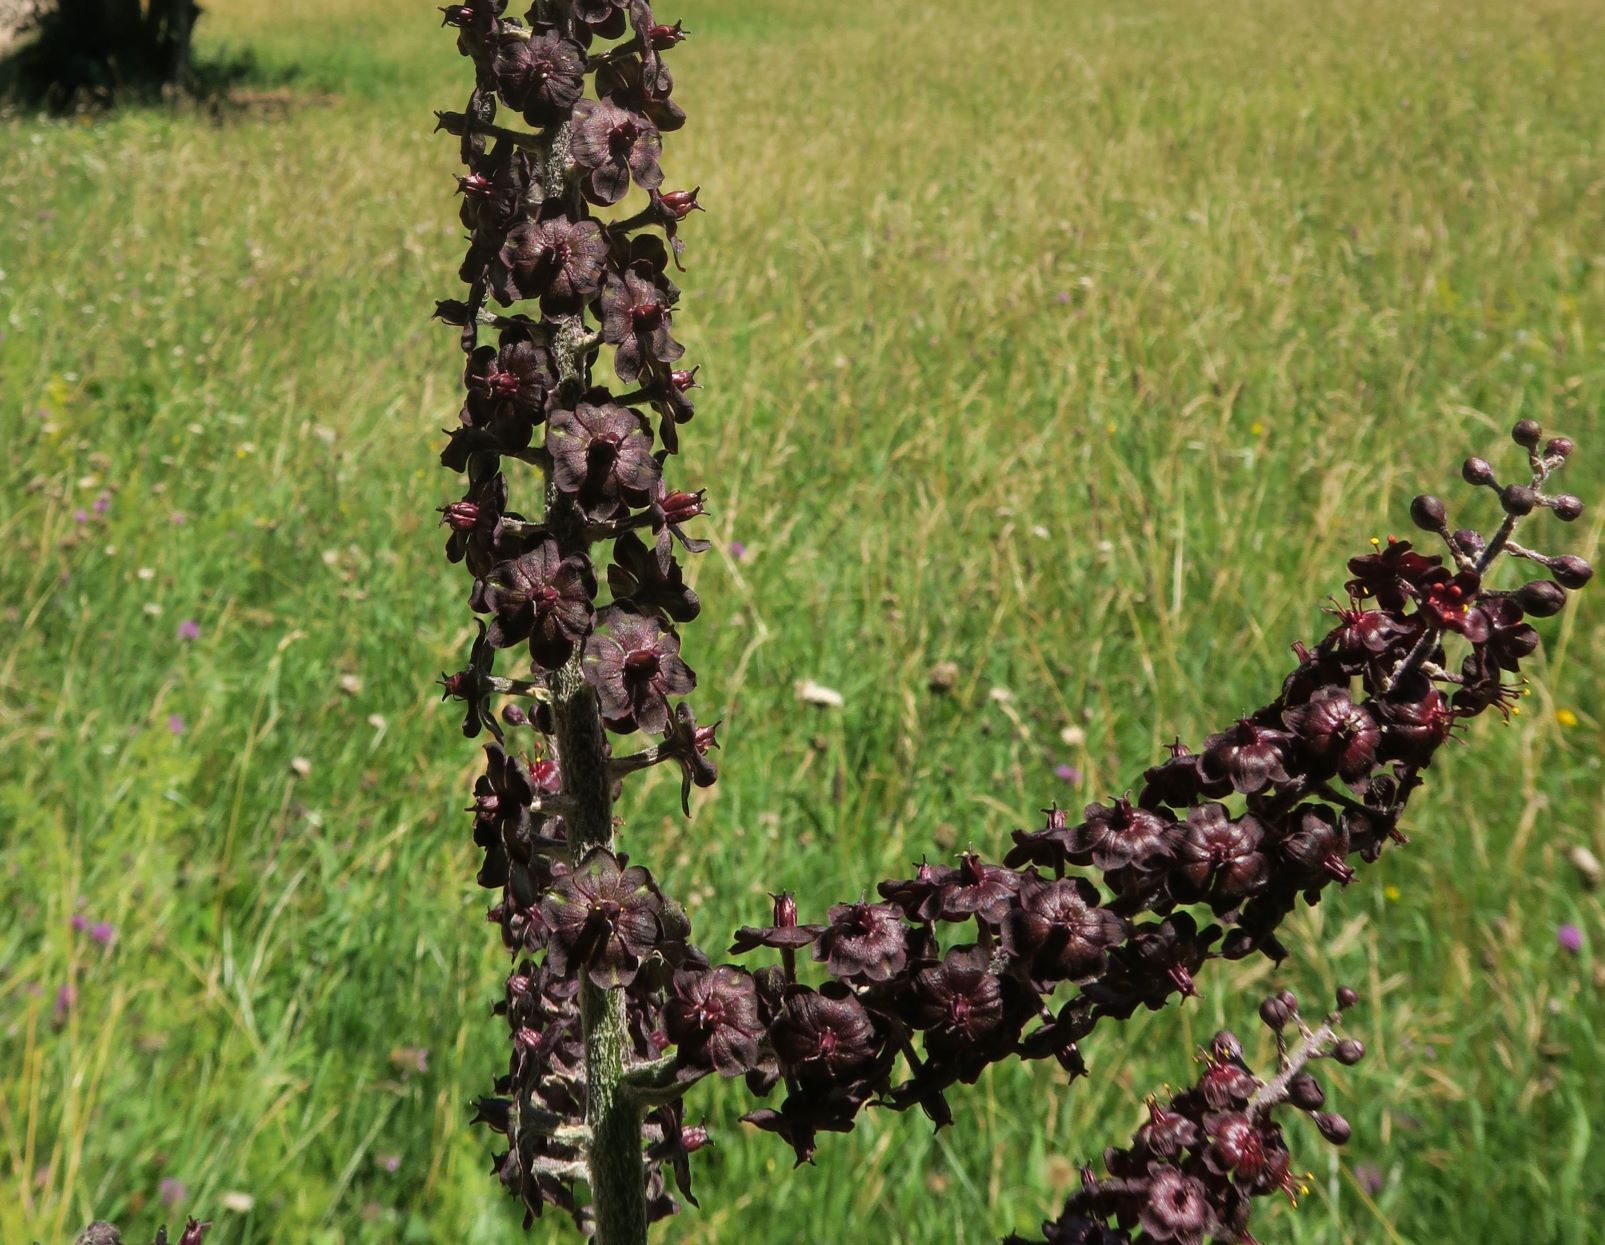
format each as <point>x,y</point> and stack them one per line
<point>572,526</point>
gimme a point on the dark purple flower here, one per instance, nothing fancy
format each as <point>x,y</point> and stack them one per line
<point>1414,727</point>
<point>602,453</point>
<point>1334,729</point>
<point>1391,575</point>
<point>611,145</point>
<point>1121,836</point>
<point>784,935</point>
<point>975,889</point>
<point>1249,756</point>
<point>541,597</point>
<point>1219,858</point>
<point>1061,931</point>
<point>636,575</point>
<point>636,317</point>
<point>1317,846</point>
<point>604,918</point>
<point>543,77</point>
<point>863,942</point>
<point>1497,626</point>
<point>1176,1209</point>
<point>713,1019</point>
<point>823,1037</point>
<point>552,258</point>
<point>635,667</point>
<point>472,686</point>
<point>960,1004</point>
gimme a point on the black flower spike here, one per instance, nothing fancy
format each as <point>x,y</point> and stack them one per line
<point>541,597</point>
<point>635,667</point>
<point>602,918</point>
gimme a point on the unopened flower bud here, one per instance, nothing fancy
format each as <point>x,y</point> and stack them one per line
<point>1541,598</point>
<point>681,203</point>
<point>677,507</point>
<point>1349,1052</point>
<point>1469,540</point>
<point>693,1137</point>
<point>1476,471</point>
<point>1274,1013</point>
<point>1289,1000</point>
<point>1305,1092</point>
<point>1571,570</point>
<point>665,37</point>
<point>1346,998</point>
<point>1566,507</point>
<point>1526,433</point>
<point>683,380</point>
<point>460,516</point>
<point>1518,499</point>
<point>514,715</point>
<point>1559,447</point>
<point>1426,512</point>
<point>785,910</point>
<point>1333,1127</point>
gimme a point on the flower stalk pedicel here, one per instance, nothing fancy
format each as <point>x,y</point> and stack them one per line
<point>573,391</point>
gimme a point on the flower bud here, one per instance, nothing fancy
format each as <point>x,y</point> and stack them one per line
<point>1559,447</point>
<point>1333,1127</point>
<point>702,738</point>
<point>1518,499</point>
<point>785,910</point>
<point>1305,1092</point>
<point>1426,512</point>
<point>1346,998</point>
<point>1526,433</point>
<point>684,380</point>
<point>1289,1000</point>
<point>1541,598</point>
<point>1476,471</point>
<point>1349,1052</point>
<point>681,203</point>
<point>1571,570</point>
<point>1566,507</point>
<point>693,1137</point>
<point>1274,1013</point>
<point>514,715</point>
<point>1469,540</point>
<point>460,516</point>
<point>677,507</point>
<point>665,37</point>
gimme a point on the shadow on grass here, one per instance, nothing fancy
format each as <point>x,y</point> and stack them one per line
<point>57,70</point>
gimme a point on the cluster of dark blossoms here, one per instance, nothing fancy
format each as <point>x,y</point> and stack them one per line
<point>612,1012</point>
<point>102,1233</point>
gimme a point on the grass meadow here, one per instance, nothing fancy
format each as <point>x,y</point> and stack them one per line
<point>1075,342</point>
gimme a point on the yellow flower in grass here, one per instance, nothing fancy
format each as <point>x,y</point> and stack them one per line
<point>1565,717</point>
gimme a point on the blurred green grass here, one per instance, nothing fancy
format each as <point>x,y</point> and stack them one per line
<point>1077,344</point>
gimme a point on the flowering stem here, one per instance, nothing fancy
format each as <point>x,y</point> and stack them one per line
<point>1274,1092</point>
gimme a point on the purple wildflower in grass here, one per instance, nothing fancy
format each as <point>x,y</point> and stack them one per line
<point>102,933</point>
<point>175,723</point>
<point>189,629</point>
<point>172,1191</point>
<point>102,503</point>
<point>1067,773</point>
<point>388,1162</point>
<point>79,922</point>
<point>80,516</point>
<point>737,550</point>
<point>1369,1177</point>
<point>1570,938</point>
<point>178,518</point>
<point>66,998</point>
